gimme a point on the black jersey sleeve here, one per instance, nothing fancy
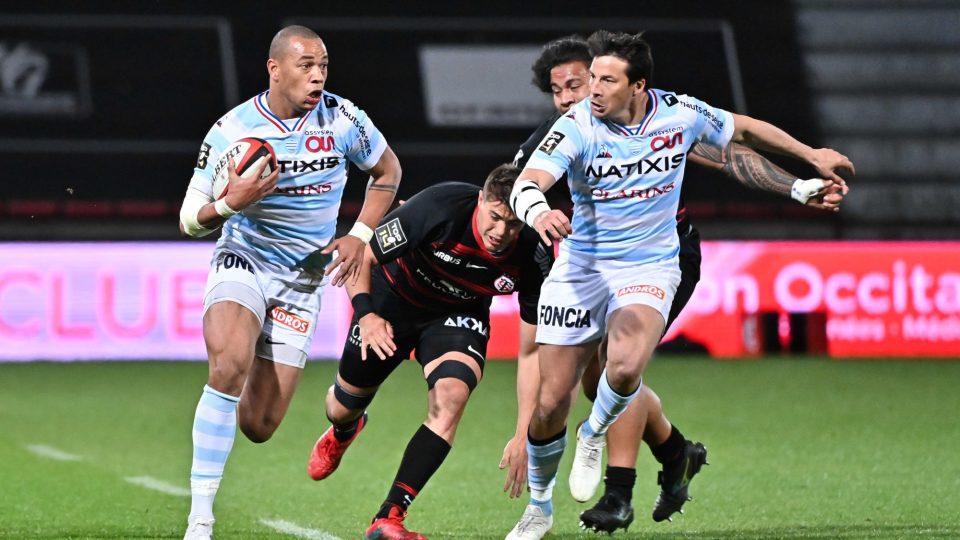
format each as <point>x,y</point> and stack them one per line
<point>528,292</point>
<point>527,148</point>
<point>414,223</point>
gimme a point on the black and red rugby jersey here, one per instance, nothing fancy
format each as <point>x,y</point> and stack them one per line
<point>431,255</point>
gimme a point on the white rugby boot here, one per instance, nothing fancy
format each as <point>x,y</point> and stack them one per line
<point>533,525</point>
<point>199,529</point>
<point>585,474</point>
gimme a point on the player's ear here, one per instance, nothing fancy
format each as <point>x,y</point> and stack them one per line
<point>639,86</point>
<point>272,69</point>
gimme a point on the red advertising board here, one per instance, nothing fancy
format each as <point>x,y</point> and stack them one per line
<point>878,298</point>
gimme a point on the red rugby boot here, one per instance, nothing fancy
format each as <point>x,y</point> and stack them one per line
<point>391,528</point>
<point>328,452</point>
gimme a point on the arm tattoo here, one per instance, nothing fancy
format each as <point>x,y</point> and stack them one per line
<point>372,185</point>
<point>392,188</point>
<point>748,167</point>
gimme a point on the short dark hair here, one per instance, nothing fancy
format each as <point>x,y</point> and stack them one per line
<point>631,48</point>
<point>499,183</point>
<point>559,51</point>
<point>279,41</point>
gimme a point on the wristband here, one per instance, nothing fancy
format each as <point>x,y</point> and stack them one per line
<point>361,231</point>
<point>362,305</point>
<point>802,190</point>
<point>225,211</point>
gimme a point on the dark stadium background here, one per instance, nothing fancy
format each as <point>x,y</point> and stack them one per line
<point>118,166</point>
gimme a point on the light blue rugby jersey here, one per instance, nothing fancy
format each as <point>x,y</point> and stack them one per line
<point>300,216</point>
<point>625,181</point>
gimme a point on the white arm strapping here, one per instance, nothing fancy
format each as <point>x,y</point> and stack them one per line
<point>189,212</point>
<point>802,190</point>
<point>527,201</point>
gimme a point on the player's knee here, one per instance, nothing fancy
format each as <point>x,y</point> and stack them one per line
<point>625,366</point>
<point>228,371</point>
<point>553,406</point>
<point>450,397</point>
<point>623,379</point>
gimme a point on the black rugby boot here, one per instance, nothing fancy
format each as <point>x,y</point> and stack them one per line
<point>675,481</point>
<point>611,512</point>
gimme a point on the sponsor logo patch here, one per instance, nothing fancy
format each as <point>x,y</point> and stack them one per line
<point>316,143</point>
<point>289,320</point>
<point>564,317</point>
<point>314,189</point>
<point>550,142</point>
<point>354,336</point>
<point>229,261</point>
<point>469,323</point>
<point>204,156</point>
<point>666,141</point>
<point>660,164</point>
<point>642,193</point>
<point>303,165</point>
<point>390,235</point>
<point>643,289</point>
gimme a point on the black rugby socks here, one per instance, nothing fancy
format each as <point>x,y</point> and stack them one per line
<point>424,454</point>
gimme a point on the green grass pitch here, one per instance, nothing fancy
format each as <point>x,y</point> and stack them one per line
<point>799,448</point>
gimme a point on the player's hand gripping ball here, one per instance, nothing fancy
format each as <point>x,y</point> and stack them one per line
<point>248,154</point>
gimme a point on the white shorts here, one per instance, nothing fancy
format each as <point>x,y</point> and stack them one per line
<point>576,301</point>
<point>286,307</point>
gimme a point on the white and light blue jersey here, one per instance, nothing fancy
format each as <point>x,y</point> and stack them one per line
<point>300,216</point>
<point>625,181</point>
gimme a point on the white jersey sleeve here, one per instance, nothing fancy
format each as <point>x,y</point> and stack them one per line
<point>366,143</point>
<point>208,161</point>
<point>710,125</point>
<point>560,149</point>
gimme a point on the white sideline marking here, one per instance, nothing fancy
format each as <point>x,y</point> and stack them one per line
<point>156,484</point>
<point>52,453</point>
<point>293,529</point>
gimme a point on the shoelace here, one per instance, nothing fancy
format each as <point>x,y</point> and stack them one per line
<point>198,525</point>
<point>527,522</point>
<point>593,454</point>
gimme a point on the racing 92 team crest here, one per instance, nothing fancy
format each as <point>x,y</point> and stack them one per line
<point>504,284</point>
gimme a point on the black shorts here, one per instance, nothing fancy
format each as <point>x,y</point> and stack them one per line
<point>689,272</point>
<point>431,333</point>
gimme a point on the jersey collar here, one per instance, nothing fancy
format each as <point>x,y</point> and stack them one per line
<point>640,129</point>
<point>260,102</point>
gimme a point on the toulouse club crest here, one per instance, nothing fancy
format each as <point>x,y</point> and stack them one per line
<point>504,284</point>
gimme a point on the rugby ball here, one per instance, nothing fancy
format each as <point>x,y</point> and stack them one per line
<point>247,154</point>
